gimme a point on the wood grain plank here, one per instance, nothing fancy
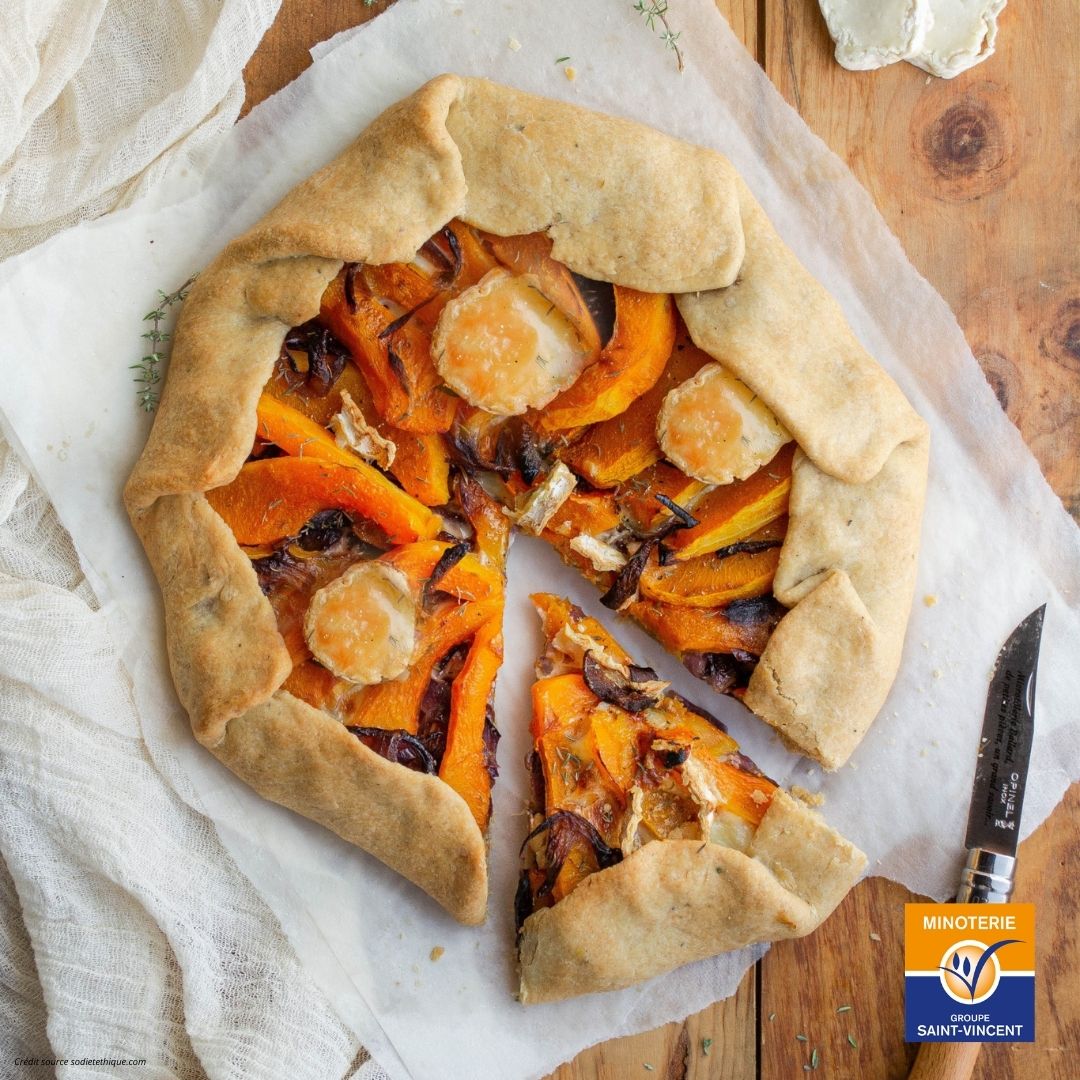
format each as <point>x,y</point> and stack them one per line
<point>678,1051</point>
<point>969,173</point>
<point>977,176</point>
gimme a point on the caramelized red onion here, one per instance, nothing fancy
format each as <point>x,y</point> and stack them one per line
<point>397,746</point>
<point>614,688</point>
<point>564,829</point>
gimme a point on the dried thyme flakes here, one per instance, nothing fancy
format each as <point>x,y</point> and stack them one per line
<point>706,1046</point>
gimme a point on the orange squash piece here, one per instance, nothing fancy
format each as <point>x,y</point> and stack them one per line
<point>617,449</point>
<point>273,498</point>
<point>396,704</point>
<point>463,764</point>
<point>735,511</point>
<point>410,287</point>
<point>311,682</point>
<point>420,465</point>
<point>289,388</point>
<point>469,579</point>
<point>560,703</point>
<point>590,512</point>
<point>629,365</point>
<point>638,496</point>
<point>683,629</point>
<point>707,582</point>
<point>556,612</point>
<point>405,387</point>
<point>491,527</point>
<point>746,794</point>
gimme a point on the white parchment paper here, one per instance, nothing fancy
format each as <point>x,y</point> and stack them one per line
<point>997,542</point>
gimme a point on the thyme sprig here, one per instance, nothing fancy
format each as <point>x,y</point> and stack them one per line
<point>148,373</point>
<point>654,12</point>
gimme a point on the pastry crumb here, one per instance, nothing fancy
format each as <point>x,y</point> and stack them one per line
<point>929,599</point>
<point>874,936</point>
<point>810,798</point>
<point>570,73</point>
<point>513,44</point>
<point>437,952</point>
<point>936,673</point>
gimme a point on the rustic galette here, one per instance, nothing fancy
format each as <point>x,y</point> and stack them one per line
<point>494,309</point>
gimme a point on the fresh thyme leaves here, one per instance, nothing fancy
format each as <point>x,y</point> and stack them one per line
<point>654,12</point>
<point>706,1046</point>
<point>561,59</point>
<point>852,1043</point>
<point>844,1009</point>
<point>148,373</point>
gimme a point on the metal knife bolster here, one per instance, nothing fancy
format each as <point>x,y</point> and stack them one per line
<point>987,877</point>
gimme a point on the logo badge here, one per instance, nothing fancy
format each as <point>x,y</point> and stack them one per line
<point>969,972</point>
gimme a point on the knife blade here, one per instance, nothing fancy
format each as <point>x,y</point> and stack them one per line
<point>997,794</point>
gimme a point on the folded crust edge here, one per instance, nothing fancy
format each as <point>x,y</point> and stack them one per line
<point>675,901</point>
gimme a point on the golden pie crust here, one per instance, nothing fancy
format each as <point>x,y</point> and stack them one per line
<point>623,203</point>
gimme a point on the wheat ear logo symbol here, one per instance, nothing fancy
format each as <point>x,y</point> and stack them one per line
<point>968,973</point>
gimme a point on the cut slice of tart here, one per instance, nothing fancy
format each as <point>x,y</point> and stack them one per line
<point>653,841</point>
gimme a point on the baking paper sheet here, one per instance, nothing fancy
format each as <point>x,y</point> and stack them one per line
<point>997,542</point>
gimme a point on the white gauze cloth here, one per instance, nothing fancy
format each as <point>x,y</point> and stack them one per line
<point>100,100</point>
<point>126,930</point>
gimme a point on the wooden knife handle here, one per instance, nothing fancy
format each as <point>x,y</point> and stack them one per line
<point>945,1061</point>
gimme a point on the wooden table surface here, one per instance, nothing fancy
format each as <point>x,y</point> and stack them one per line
<point>978,178</point>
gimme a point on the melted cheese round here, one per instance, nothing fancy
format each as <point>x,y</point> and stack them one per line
<point>362,626</point>
<point>505,347</point>
<point>716,429</point>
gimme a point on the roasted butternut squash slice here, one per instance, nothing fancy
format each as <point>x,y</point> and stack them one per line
<point>683,629</point>
<point>736,511</point>
<point>273,498</point>
<point>491,527</point>
<point>396,705</point>
<point>557,615</point>
<point>469,578</point>
<point>629,365</point>
<point>421,464</point>
<point>396,363</point>
<point>465,764</point>
<point>449,263</point>
<point>639,498</point>
<point>708,582</point>
<point>617,449</point>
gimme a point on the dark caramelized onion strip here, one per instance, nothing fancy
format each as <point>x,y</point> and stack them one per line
<point>565,829</point>
<point>626,584</point>
<point>685,518</point>
<point>491,742</point>
<point>325,354</point>
<point>447,561</point>
<point>614,688</point>
<point>755,611</point>
<point>746,547</point>
<point>323,529</point>
<point>398,746</point>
